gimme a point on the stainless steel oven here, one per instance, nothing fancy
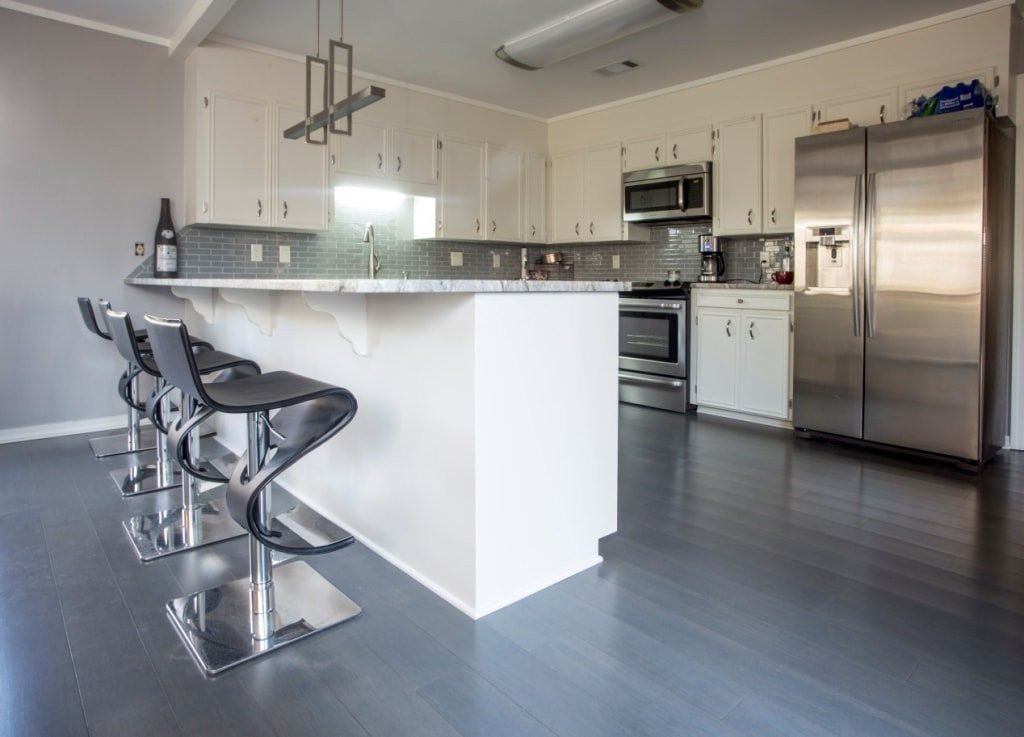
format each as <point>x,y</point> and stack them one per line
<point>653,357</point>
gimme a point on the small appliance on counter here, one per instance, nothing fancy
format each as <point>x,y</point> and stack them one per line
<point>712,259</point>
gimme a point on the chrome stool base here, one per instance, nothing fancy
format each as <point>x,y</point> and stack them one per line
<point>104,446</point>
<point>216,625</point>
<point>172,531</point>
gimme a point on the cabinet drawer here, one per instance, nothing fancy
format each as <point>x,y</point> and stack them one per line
<point>745,299</point>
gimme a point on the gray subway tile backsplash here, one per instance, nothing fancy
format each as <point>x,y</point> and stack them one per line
<point>340,253</point>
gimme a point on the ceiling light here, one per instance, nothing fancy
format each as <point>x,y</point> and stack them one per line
<point>332,111</point>
<point>589,28</point>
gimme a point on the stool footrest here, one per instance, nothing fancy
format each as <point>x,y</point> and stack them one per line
<point>216,624</point>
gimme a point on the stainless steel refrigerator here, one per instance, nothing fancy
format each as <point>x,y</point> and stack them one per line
<point>903,284</point>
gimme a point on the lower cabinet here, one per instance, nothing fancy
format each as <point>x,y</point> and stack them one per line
<point>741,351</point>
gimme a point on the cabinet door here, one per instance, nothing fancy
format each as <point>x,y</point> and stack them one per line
<point>463,190</point>
<point>536,169</point>
<point>603,194</point>
<point>644,153</point>
<point>717,358</point>
<point>737,177</point>
<point>300,200</point>
<point>413,156</point>
<point>567,197</point>
<point>866,109</point>
<point>764,364</point>
<point>504,194</point>
<point>364,152</point>
<point>689,146</point>
<point>780,133</point>
<point>239,160</point>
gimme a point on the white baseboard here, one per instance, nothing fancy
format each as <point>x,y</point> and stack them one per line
<point>58,429</point>
<point>745,417</point>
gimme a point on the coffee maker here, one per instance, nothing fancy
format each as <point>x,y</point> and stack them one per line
<point>712,259</point>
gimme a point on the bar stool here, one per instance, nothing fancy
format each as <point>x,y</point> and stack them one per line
<point>134,440</point>
<point>196,522</point>
<point>275,606</point>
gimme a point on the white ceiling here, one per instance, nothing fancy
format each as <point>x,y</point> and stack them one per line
<point>449,45</point>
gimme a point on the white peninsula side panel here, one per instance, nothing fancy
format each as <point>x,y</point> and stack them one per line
<point>483,457</point>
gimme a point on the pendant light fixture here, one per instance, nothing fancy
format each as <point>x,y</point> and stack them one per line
<point>586,29</point>
<point>332,111</point>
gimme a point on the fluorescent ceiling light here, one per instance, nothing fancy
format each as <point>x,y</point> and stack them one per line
<point>589,28</point>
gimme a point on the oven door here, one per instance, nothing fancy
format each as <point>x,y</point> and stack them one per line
<point>652,336</point>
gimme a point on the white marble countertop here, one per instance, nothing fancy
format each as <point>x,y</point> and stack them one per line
<point>742,285</point>
<point>388,286</point>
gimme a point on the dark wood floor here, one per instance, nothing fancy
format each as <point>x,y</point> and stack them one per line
<point>759,585</point>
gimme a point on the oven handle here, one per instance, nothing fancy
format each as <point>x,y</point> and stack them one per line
<point>649,304</point>
<point>656,380</point>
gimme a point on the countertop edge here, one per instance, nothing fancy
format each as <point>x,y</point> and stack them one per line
<point>387,286</point>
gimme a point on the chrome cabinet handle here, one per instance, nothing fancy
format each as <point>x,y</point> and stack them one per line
<point>380,161</point>
<point>206,207</point>
<point>773,216</point>
<point>259,208</point>
<point>399,163</point>
<point>334,160</point>
<point>750,216</point>
<point>881,114</point>
<point>494,226</point>
<point>533,230</point>
<point>728,325</point>
<point>675,151</point>
<point>577,228</point>
<point>657,153</point>
<point>751,329</point>
<point>591,227</point>
<point>478,225</point>
<point>286,208</point>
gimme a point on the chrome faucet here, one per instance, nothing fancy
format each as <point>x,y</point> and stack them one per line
<point>374,263</point>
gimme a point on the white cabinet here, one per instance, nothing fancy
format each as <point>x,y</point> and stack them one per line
<point>504,194</point>
<point>462,197</point>
<point>780,133</point>
<point>536,194</point>
<point>689,146</point>
<point>413,156</point>
<point>644,153</point>
<point>301,183</point>
<point>363,152</point>
<point>869,108</point>
<point>567,197</point>
<point>237,139</point>
<point>737,176</point>
<point>603,194</point>
<point>741,351</point>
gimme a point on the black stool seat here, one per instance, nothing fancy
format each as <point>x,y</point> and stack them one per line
<point>268,391</point>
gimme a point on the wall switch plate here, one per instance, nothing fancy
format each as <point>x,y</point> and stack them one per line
<point>496,260</point>
<point>456,258</point>
<point>140,249</point>
<point>255,251</point>
<point>284,254</point>
<point>616,261</point>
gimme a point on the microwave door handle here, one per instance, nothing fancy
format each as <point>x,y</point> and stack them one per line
<point>681,194</point>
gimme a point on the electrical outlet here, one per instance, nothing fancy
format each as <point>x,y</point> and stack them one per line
<point>496,260</point>
<point>456,258</point>
<point>255,251</point>
<point>616,261</point>
<point>284,254</point>
<point>140,249</point>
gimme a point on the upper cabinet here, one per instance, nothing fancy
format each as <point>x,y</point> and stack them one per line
<point>870,108</point>
<point>644,153</point>
<point>414,156</point>
<point>586,195</point>
<point>781,130</point>
<point>504,193</point>
<point>363,152</point>
<point>536,196</point>
<point>462,198</point>
<point>239,168</point>
<point>737,176</point>
<point>568,211</point>
<point>689,146</point>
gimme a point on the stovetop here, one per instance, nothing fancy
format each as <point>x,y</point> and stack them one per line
<point>659,289</point>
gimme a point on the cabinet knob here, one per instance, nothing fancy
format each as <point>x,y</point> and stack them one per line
<point>739,300</point>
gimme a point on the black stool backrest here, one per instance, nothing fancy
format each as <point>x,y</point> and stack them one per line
<point>89,318</point>
<point>123,334</point>
<point>168,338</point>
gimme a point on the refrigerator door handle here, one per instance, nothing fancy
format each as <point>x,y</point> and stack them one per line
<point>869,255</point>
<point>855,240</point>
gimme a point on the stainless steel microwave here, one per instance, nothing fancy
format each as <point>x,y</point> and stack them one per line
<point>672,193</point>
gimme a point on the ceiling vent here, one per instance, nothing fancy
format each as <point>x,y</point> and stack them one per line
<point>616,68</point>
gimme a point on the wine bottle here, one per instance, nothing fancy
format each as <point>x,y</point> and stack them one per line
<point>165,243</point>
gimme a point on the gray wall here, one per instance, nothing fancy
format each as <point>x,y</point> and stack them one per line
<point>90,139</point>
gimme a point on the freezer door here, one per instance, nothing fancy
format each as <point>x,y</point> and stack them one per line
<point>923,273</point>
<point>828,345</point>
